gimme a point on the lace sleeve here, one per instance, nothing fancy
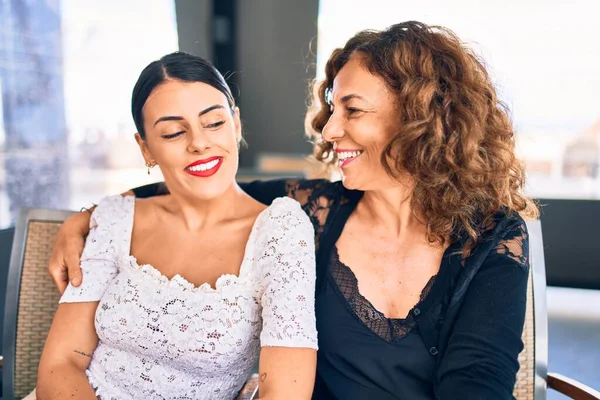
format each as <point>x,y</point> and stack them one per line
<point>109,237</point>
<point>514,242</point>
<point>287,276</point>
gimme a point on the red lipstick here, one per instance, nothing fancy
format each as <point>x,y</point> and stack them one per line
<point>204,168</point>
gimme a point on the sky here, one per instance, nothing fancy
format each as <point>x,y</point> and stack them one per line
<point>544,54</point>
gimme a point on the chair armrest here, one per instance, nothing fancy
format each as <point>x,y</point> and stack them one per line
<point>571,388</point>
<point>250,389</point>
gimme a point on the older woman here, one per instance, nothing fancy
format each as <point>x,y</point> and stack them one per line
<point>421,248</point>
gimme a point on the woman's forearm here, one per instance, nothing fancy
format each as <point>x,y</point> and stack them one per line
<point>66,381</point>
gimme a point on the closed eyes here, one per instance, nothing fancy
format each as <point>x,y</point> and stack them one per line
<point>214,125</point>
<point>173,135</point>
<point>349,110</point>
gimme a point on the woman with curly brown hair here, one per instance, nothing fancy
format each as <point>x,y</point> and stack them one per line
<point>421,248</point>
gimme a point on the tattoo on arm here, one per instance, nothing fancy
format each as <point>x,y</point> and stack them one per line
<point>263,377</point>
<point>82,353</point>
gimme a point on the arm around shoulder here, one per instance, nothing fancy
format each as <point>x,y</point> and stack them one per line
<point>64,266</point>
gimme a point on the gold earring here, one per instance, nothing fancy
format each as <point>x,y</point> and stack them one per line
<point>150,166</point>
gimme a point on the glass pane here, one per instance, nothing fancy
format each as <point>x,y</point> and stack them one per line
<point>545,62</point>
<point>67,69</point>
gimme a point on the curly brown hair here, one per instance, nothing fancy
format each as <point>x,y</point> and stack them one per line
<point>455,137</point>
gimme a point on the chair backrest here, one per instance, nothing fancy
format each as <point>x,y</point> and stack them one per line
<point>31,299</point>
<point>250,389</point>
<point>531,378</point>
<point>6,239</point>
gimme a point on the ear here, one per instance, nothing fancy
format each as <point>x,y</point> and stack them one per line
<point>238,124</point>
<point>144,150</point>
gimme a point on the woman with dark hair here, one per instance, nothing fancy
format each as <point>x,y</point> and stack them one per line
<point>181,292</point>
<point>422,249</point>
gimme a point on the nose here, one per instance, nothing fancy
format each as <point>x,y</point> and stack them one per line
<point>198,142</point>
<point>333,129</point>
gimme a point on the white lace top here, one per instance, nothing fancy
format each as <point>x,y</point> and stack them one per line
<point>163,338</point>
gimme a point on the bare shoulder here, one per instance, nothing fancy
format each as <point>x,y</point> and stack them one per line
<point>248,207</point>
<point>148,208</point>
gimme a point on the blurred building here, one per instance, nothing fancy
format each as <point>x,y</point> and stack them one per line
<point>35,151</point>
<point>582,154</point>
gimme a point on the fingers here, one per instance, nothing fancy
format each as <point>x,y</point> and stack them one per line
<point>72,260</point>
<point>56,267</point>
<point>60,280</point>
<point>64,262</point>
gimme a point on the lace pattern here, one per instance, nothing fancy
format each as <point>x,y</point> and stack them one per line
<point>515,244</point>
<point>163,338</point>
<point>389,329</point>
<point>317,198</point>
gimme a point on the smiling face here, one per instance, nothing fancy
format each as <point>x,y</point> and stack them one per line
<point>363,121</point>
<point>192,134</point>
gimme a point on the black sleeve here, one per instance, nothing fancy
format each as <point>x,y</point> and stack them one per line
<point>153,189</point>
<point>481,361</point>
<point>266,191</point>
<point>263,191</point>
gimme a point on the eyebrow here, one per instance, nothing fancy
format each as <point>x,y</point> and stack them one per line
<point>351,96</point>
<point>211,108</point>
<point>177,118</point>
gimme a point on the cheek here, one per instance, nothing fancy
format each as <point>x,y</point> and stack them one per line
<point>371,136</point>
<point>226,140</point>
<point>382,133</point>
<point>169,154</point>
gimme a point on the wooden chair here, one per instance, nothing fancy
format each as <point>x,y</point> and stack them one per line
<point>32,299</point>
<point>533,380</point>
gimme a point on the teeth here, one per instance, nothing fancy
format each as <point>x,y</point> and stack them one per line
<point>204,167</point>
<point>344,155</point>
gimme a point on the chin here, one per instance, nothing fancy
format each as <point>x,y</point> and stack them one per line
<point>211,191</point>
<point>351,184</point>
<point>365,184</point>
<point>204,189</point>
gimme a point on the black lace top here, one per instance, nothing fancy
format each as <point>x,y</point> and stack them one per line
<point>460,341</point>
<point>366,355</point>
<point>391,330</point>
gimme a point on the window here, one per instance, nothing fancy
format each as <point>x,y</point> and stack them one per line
<point>67,68</point>
<point>545,63</point>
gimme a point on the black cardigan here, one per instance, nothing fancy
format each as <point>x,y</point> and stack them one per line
<point>476,332</point>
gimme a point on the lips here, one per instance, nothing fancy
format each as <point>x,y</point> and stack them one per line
<point>204,168</point>
<point>346,156</point>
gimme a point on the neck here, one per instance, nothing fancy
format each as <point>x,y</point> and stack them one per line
<point>390,209</point>
<point>198,214</point>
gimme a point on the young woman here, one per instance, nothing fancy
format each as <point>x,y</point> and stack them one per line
<point>182,291</point>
